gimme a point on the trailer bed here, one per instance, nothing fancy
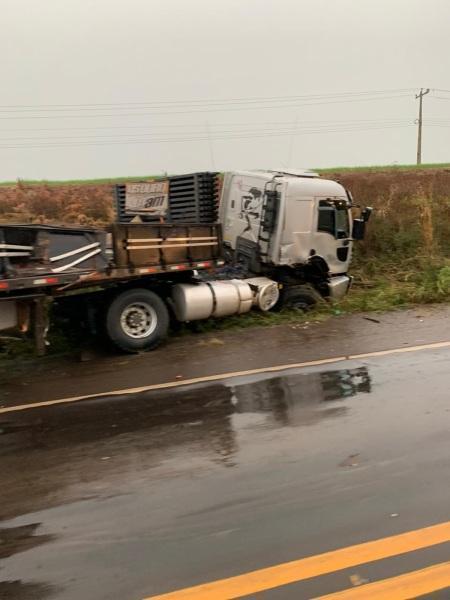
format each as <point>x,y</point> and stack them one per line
<point>138,250</point>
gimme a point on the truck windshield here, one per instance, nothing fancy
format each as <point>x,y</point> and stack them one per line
<point>333,218</point>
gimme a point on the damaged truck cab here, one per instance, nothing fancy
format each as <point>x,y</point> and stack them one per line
<point>293,227</point>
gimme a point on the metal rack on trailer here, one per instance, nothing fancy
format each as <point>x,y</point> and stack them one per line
<point>189,198</point>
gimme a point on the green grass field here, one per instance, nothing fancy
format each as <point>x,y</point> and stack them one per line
<point>105,180</point>
<point>390,168</point>
<point>112,180</point>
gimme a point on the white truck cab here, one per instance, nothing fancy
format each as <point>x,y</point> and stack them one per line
<point>292,226</point>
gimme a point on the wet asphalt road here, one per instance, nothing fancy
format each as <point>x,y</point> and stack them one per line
<point>222,351</point>
<point>128,497</point>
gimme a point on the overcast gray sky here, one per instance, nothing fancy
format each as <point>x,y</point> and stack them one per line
<point>181,85</point>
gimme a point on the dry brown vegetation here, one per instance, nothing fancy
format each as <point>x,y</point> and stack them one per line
<point>405,257</point>
<point>412,210</point>
<point>72,204</point>
<point>412,207</point>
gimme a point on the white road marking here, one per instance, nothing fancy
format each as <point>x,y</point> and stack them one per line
<point>222,376</point>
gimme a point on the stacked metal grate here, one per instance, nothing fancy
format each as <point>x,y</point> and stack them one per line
<point>121,213</point>
<point>193,198</point>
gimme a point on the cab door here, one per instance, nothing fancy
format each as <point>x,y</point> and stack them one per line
<point>242,214</point>
<point>332,237</point>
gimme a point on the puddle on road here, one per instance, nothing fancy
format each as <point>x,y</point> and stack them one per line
<point>89,445</point>
<point>298,399</point>
<point>20,539</point>
<point>105,452</point>
<point>13,541</point>
<point>167,418</point>
<point>21,590</point>
<point>291,400</point>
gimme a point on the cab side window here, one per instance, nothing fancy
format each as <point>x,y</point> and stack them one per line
<point>327,217</point>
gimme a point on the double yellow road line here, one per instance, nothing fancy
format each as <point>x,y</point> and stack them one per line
<point>402,587</point>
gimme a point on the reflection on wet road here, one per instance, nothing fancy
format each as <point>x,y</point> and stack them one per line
<point>129,497</point>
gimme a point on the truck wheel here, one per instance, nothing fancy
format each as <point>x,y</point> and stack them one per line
<point>300,297</point>
<point>137,320</point>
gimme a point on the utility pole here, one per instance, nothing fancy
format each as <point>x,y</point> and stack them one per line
<point>419,96</point>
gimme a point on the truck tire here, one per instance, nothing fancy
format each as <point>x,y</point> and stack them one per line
<point>300,297</point>
<point>137,320</point>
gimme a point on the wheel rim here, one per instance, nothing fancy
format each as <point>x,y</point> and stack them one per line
<point>138,320</point>
<point>303,303</point>
<point>300,305</point>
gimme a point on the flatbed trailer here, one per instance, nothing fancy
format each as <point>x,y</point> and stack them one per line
<point>148,257</point>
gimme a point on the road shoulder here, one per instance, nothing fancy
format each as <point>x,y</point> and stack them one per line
<point>203,355</point>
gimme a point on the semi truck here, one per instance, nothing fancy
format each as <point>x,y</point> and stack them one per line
<point>181,251</point>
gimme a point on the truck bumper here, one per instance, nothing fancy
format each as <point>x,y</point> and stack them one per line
<point>339,286</point>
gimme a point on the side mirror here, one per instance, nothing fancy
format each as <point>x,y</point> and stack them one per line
<point>359,229</point>
<point>365,214</point>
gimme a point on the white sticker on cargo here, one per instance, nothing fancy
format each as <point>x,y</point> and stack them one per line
<point>149,198</point>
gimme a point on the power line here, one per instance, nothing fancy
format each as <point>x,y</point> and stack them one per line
<point>287,127</point>
<point>209,102</point>
<point>170,133</point>
<point>196,104</point>
<point>247,124</point>
<point>200,138</point>
<point>205,110</point>
<point>198,125</point>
